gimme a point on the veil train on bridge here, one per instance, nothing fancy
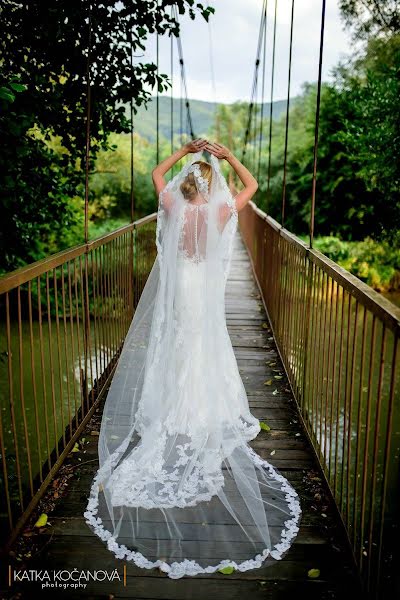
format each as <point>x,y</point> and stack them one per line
<point>178,485</point>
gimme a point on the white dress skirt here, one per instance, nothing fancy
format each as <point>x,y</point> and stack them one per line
<point>185,492</point>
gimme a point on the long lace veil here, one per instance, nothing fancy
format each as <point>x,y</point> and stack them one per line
<point>178,486</point>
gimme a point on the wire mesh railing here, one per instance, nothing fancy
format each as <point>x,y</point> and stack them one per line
<point>339,342</point>
<point>64,321</point>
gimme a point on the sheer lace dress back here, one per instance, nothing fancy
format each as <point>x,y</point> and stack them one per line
<point>192,244</point>
<point>193,234</point>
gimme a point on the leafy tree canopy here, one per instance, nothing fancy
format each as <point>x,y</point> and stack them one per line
<point>43,103</point>
<point>368,18</point>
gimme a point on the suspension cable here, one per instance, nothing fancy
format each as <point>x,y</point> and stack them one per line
<point>255,79</point>
<point>262,90</point>
<point>85,299</point>
<point>157,102</point>
<point>254,133</point>
<point>181,113</point>
<point>271,101</point>
<point>250,111</point>
<point>172,96</point>
<point>211,57</point>
<point>317,112</point>
<point>131,149</point>
<point>88,116</point>
<point>183,77</point>
<point>261,36</point>
<point>287,117</point>
<point>255,105</point>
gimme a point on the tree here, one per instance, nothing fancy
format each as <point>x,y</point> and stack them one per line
<point>372,134</point>
<point>371,18</point>
<point>44,46</point>
<point>344,207</point>
<point>358,162</point>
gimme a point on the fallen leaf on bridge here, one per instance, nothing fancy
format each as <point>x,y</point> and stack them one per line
<point>42,520</point>
<point>264,426</point>
<point>314,573</point>
<point>226,570</point>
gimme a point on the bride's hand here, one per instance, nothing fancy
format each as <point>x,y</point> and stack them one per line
<point>196,145</point>
<point>218,150</point>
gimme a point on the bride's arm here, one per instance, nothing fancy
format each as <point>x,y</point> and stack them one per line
<point>249,182</point>
<point>166,164</point>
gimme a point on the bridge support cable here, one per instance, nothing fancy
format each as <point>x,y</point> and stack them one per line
<point>172,95</point>
<point>255,80</point>
<point>256,112</point>
<point>211,58</point>
<point>131,148</point>
<point>181,113</point>
<point>130,250</point>
<point>317,113</point>
<point>157,101</point>
<point>262,90</point>
<point>184,83</point>
<point>253,129</point>
<point>88,117</point>
<point>287,117</point>
<point>87,352</point>
<point>270,108</point>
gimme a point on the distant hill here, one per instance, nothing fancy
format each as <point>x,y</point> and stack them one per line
<point>202,116</point>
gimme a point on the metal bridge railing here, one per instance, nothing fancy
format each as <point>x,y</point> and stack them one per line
<point>64,321</point>
<point>339,342</point>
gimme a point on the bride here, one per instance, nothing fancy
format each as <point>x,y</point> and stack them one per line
<point>178,485</point>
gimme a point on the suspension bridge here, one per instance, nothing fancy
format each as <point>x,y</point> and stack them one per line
<point>318,354</point>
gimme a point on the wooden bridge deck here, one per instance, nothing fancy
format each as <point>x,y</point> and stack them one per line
<point>70,544</point>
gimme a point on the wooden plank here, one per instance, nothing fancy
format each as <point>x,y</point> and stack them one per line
<point>217,587</point>
<point>286,576</point>
<point>76,526</point>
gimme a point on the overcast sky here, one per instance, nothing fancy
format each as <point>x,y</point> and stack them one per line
<point>233,32</point>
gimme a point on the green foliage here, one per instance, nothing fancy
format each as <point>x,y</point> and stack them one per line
<point>43,107</point>
<point>110,181</point>
<point>371,17</point>
<point>53,60</point>
<point>10,88</point>
<point>375,263</point>
<point>99,228</point>
<point>35,191</point>
<point>358,152</point>
<point>372,135</point>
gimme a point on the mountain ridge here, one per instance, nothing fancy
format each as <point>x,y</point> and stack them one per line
<point>202,112</point>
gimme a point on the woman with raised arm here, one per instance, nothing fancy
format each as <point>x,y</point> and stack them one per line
<point>249,182</point>
<point>179,487</point>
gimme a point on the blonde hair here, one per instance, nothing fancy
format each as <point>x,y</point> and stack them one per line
<point>188,187</point>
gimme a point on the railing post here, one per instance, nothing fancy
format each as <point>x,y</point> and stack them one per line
<point>132,270</point>
<point>85,307</point>
<point>307,300</point>
<point>86,345</point>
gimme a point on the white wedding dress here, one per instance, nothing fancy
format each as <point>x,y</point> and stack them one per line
<point>178,486</point>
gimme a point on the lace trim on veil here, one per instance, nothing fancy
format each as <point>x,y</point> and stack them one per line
<point>179,569</point>
<point>230,200</point>
<point>204,481</point>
